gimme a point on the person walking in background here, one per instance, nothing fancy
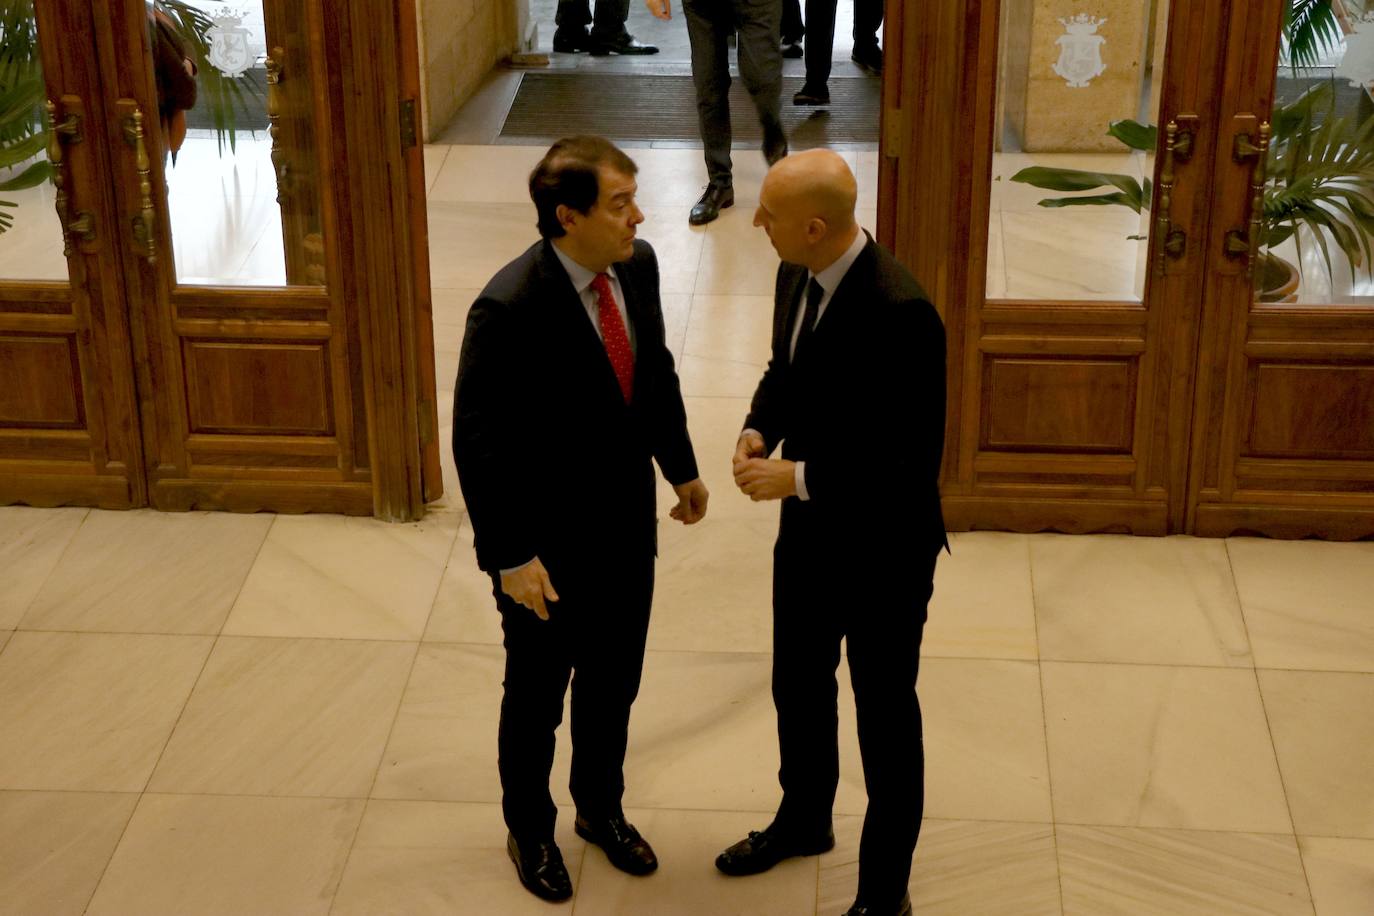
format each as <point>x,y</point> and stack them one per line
<point>608,34</point>
<point>820,45</point>
<point>710,23</point>
<point>566,396</point>
<point>793,29</point>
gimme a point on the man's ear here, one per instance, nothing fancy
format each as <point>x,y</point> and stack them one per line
<point>566,215</point>
<point>816,229</point>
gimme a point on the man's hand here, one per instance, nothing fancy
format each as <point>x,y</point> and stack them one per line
<point>662,9</point>
<point>750,445</point>
<point>691,499</point>
<point>761,478</point>
<point>529,585</point>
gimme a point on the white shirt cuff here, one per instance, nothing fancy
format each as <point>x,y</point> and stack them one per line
<point>801,482</point>
<point>515,569</point>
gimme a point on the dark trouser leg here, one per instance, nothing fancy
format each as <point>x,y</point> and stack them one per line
<point>806,652</point>
<point>609,21</point>
<point>792,26</point>
<point>708,24</point>
<point>868,19</point>
<point>884,654</point>
<point>608,650</point>
<point>820,40</point>
<point>573,15</point>
<point>760,63</point>
<point>538,662</point>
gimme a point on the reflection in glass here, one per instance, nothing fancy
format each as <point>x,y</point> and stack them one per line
<point>243,192</point>
<point>30,231</point>
<point>1076,107</point>
<point>1317,216</point>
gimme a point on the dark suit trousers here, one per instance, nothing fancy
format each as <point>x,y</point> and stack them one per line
<point>595,635</point>
<point>815,605</point>
<point>820,33</point>
<point>792,26</point>
<point>608,23</point>
<point>709,25</point>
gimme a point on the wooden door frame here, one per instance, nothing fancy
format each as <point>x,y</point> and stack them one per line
<point>98,462</point>
<point>935,178</point>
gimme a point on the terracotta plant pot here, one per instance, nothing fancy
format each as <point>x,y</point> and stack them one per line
<point>1278,280</point>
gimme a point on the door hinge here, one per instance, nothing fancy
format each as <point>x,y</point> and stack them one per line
<point>408,137</point>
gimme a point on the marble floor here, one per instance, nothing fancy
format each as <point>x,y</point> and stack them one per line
<point>225,714</point>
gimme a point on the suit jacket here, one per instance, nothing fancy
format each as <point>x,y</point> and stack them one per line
<point>863,404</point>
<point>551,460</point>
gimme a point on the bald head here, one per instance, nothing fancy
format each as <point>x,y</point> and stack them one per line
<point>815,184</point>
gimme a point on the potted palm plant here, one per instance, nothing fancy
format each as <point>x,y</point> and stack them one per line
<point>23,132</point>
<point>1319,172</point>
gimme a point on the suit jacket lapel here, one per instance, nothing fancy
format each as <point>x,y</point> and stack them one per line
<point>796,300</point>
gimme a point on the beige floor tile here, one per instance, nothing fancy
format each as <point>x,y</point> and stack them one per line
<point>469,243</point>
<point>982,606</point>
<point>714,425</point>
<point>450,321</point>
<point>287,717</point>
<point>1167,601</point>
<point>677,309</point>
<point>713,591</point>
<point>1341,874</point>
<point>704,735</point>
<point>962,868</point>
<point>464,610</point>
<point>435,156</point>
<point>707,377</point>
<point>1322,725</point>
<point>687,883</point>
<point>676,177</point>
<point>443,744</point>
<point>345,578</point>
<point>677,244</point>
<point>31,542</point>
<point>984,740</point>
<point>421,858</point>
<point>5,638</point>
<point>74,718</point>
<point>1140,746</point>
<point>1119,871</point>
<point>734,328</point>
<point>150,572</point>
<point>486,174</point>
<point>231,856</point>
<point>55,846</point>
<point>737,258</point>
<point>1307,603</point>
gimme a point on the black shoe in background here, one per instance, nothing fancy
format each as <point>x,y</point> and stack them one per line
<point>774,146</point>
<point>792,48</point>
<point>622,843</point>
<point>716,198</point>
<point>868,56</point>
<point>622,44</point>
<point>762,849</point>
<point>903,908</point>
<point>812,95</point>
<point>571,41</point>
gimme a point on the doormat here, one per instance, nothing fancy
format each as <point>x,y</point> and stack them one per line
<point>626,106</point>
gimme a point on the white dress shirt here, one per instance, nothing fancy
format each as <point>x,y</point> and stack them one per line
<point>582,279</point>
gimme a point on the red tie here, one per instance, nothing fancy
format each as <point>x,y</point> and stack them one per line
<point>613,335</point>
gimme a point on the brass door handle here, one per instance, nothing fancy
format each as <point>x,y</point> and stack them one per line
<point>1173,240</point>
<point>142,223</point>
<point>1246,244</point>
<point>80,224</point>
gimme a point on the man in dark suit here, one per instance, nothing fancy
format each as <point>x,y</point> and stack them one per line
<point>710,24</point>
<point>820,45</point>
<point>855,390</point>
<point>566,396</point>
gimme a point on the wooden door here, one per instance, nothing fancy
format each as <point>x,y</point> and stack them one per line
<point>1284,415</point>
<point>69,423</point>
<point>270,284</point>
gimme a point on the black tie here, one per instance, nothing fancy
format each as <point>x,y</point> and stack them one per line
<point>814,294</point>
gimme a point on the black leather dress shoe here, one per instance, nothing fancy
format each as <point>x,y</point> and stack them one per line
<point>762,849</point>
<point>774,147</point>
<point>571,42</point>
<point>792,48</point>
<point>625,44</point>
<point>903,908</point>
<point>627,850</point>
<point>868,56</point>
<point>540,868</point>
<point>812,95</point>
<point>716,199</point>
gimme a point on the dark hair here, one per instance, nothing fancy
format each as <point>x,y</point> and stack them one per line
<point>566,176</point>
